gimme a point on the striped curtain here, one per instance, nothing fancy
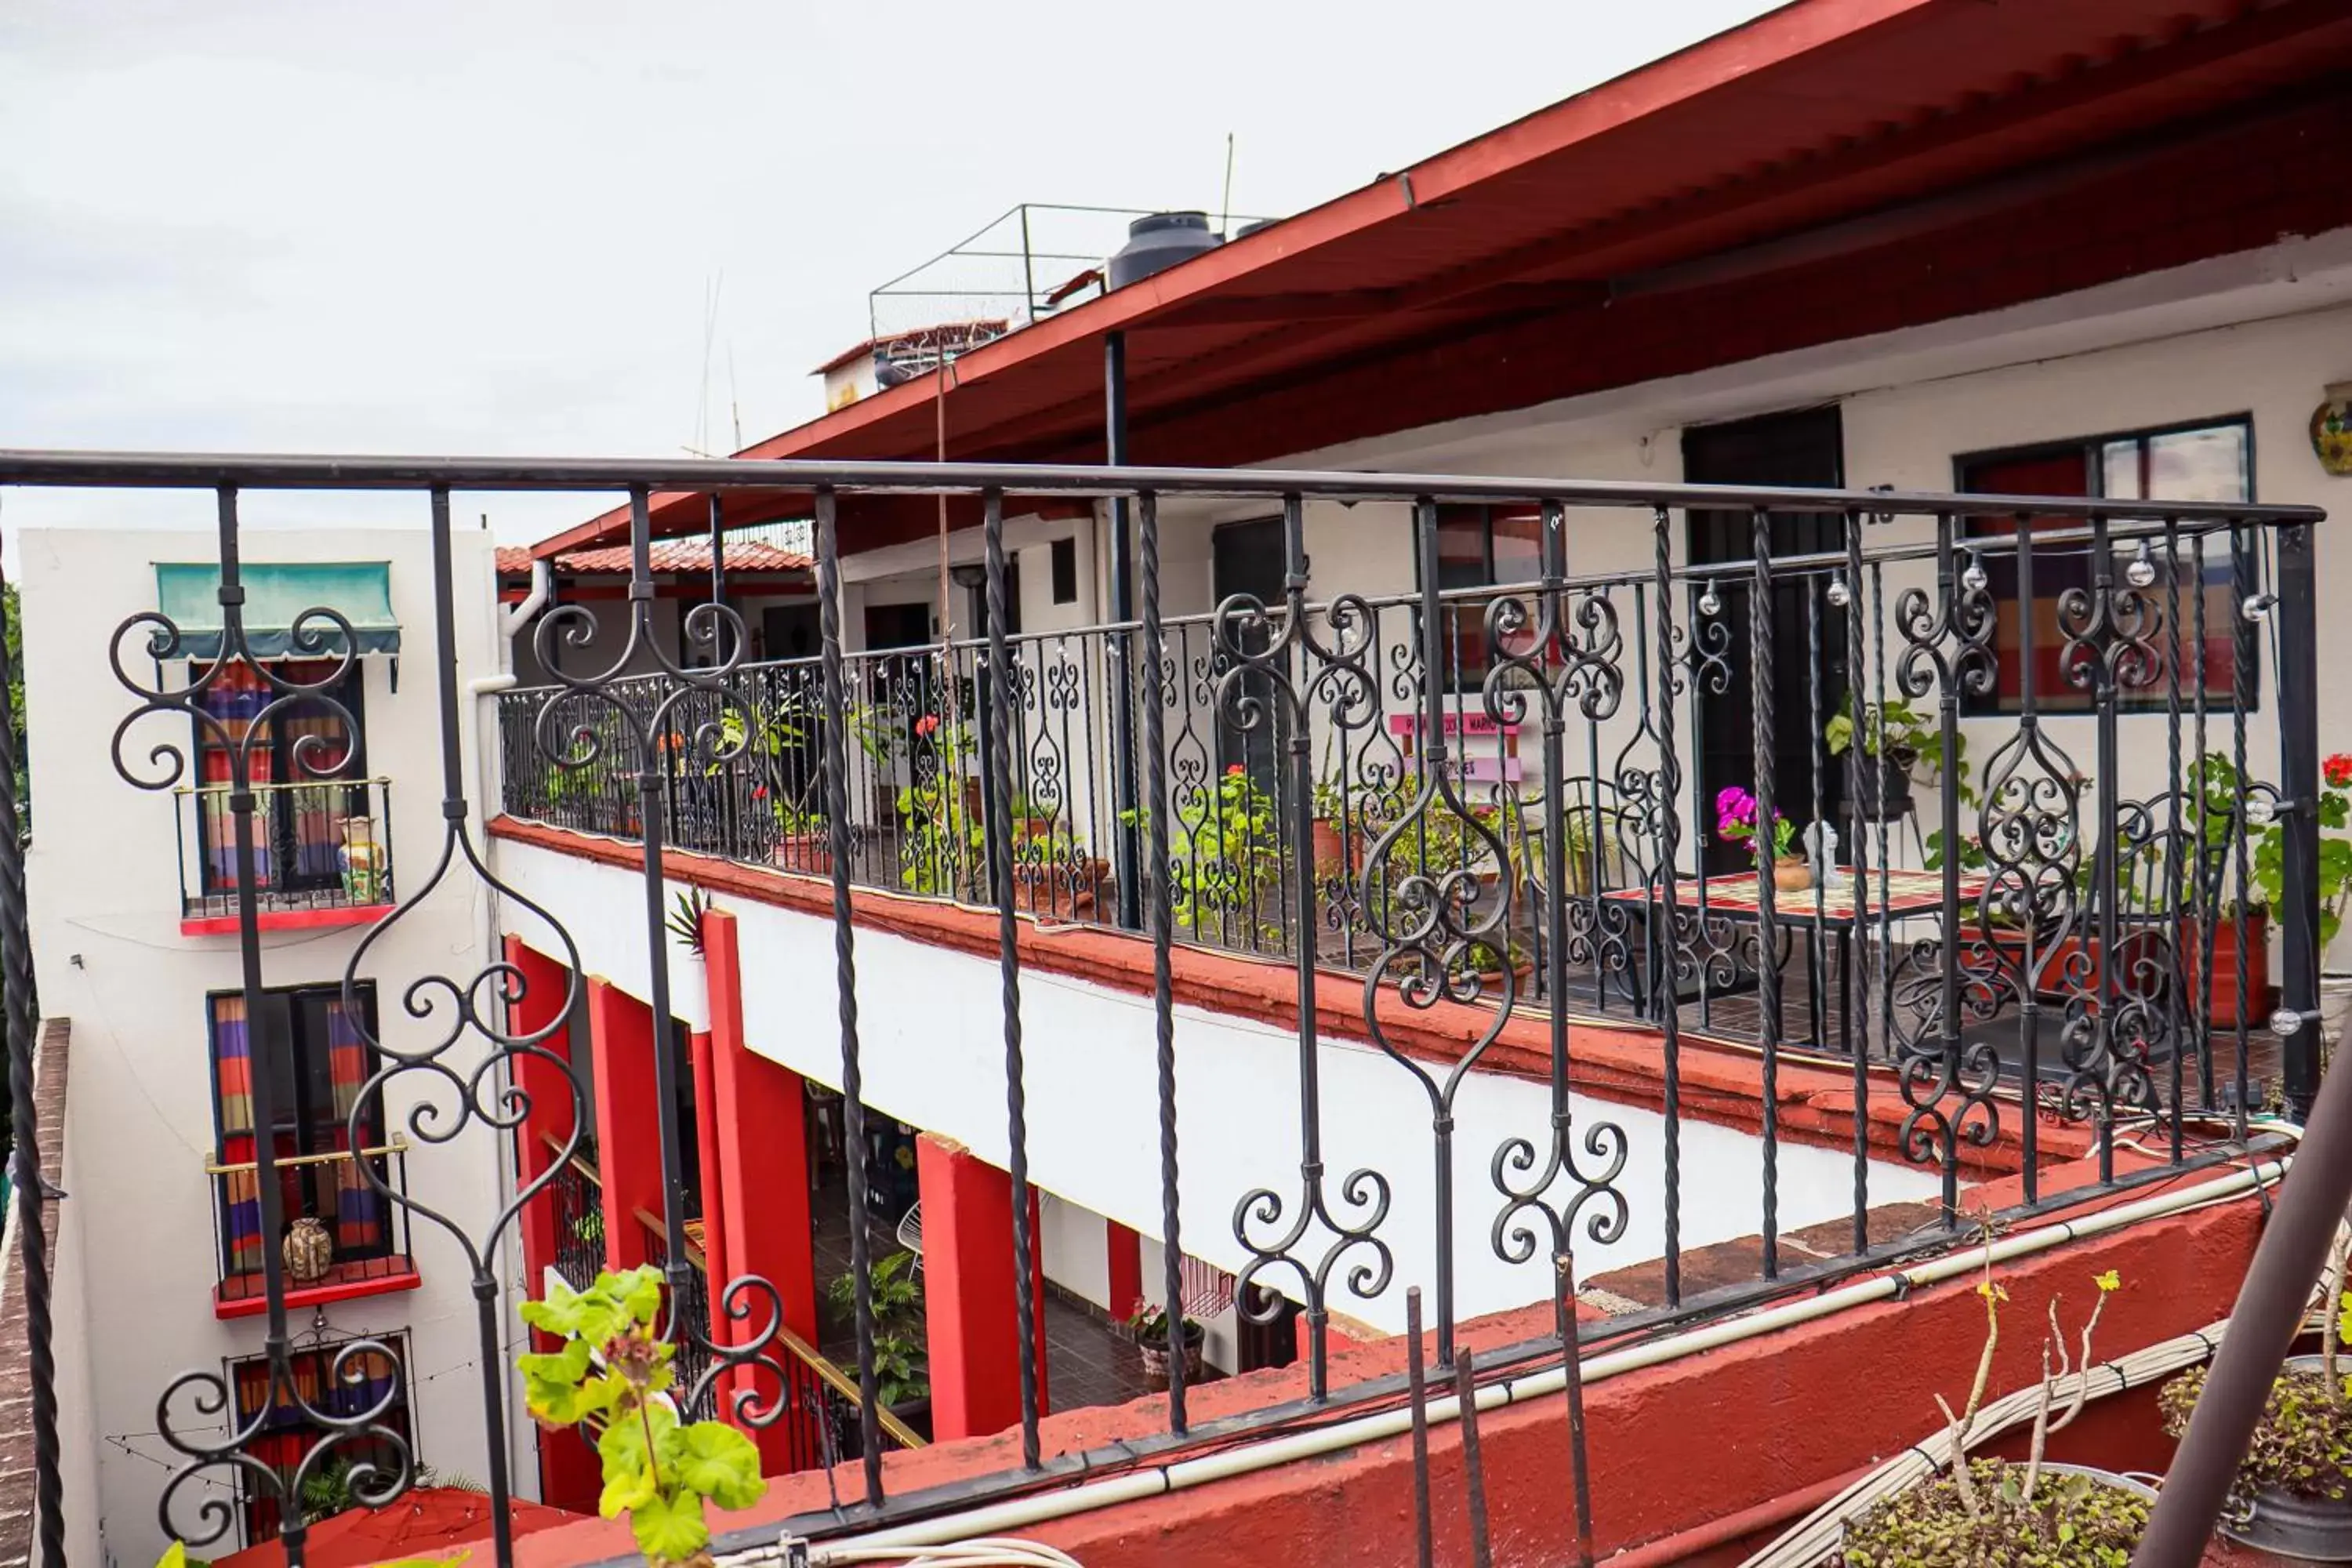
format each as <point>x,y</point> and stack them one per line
<point>358,1208</point>
<point>241,1195</point>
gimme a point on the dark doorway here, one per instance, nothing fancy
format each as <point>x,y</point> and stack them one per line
<point>897,625</point>
<point>789,631</point>
<point>1247,558</point>
<point>1802,448</point>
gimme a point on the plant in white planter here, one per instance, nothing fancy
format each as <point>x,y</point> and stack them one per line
<point>1996,1510</point>
<point>2334,888</point>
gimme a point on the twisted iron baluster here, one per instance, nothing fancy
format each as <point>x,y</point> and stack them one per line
<point>24,1129</point>
<point>1668,1004</point>
<point>2241,698</point>
<point>1157,696</point>
<point>316,633</point>
<point>1346,686</point>
<point>845,981</point>
<point>1865,788</point>
<point>1768,952</point>
<point>1008,963</point>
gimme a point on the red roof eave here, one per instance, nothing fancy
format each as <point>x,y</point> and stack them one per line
<point>1774,36</point>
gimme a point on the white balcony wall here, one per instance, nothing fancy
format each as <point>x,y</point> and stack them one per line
<point>933,1057</point>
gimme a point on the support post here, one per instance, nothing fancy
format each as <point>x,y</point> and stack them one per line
<point>970,1318</point>
<point>1128,844</point>
<point>544,987</point>
<point>762,1186</point>
<point>629,1132</point>
<point>2298,702</point>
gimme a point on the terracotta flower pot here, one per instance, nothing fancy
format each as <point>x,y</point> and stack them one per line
<point>809,853</point>
<point>2222,996</point>
<point>1792,876</point>
<point>1155,1358</point>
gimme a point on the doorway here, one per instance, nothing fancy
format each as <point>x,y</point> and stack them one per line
<point>1804,447</point>
<point>1247,558</point>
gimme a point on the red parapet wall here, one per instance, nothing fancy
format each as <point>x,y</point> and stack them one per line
<point>1690,1459</point>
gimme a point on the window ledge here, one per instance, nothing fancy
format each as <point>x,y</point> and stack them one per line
<point>325,1292</point>
<point>288,920</point>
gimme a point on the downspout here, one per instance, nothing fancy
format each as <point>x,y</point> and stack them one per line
<point>512,621</point>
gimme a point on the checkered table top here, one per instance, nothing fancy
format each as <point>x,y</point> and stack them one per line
<point>1907,893</point>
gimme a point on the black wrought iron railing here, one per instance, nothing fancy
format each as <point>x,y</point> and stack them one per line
<point>577,1196</point>
<point>345,1223</point>
<point>318,845</point>
<point>1584,812</point>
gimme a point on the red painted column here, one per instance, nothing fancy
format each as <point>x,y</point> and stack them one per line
<point>760,1148</point>
<point>628,1129</point>
<point>537,991</point>
<point>971,1325</point>
<point>571,1476</point>
<point>1123,1257</point>
<point>715,1227</point>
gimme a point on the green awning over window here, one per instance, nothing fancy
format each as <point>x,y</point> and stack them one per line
<point>276,595</point>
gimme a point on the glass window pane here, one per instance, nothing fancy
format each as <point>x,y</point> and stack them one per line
<point>1518,547</point>
<point>2199,465</point>
<point>2119,469</point>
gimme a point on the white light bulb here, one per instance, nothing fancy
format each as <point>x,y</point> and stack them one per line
<point>1710,603</point>
<point>2257,607</point>
<point>2141,573</point>
<point>1840,595</point>
<point>1973,576</point>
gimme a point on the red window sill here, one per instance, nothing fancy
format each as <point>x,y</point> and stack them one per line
<point>241,1297</point>
<point>289,920</point>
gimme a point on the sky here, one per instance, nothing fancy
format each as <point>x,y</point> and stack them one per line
<point>592,228</point>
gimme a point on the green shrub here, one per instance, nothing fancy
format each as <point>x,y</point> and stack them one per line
<point>2072,1521</point>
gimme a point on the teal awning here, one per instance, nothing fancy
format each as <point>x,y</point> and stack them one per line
<point>276,595</point>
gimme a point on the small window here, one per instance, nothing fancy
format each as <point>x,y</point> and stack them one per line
<point>2208,462</point>
<point>285,1435</point>
<point>306,768</point>
<point>1482,547</point>
<point>318,1065</point>
<point>1065,570</point>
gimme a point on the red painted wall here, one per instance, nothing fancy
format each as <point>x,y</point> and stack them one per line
<point>628,1131</point>
<point>1672,1447</point>
<point>973,1332</point>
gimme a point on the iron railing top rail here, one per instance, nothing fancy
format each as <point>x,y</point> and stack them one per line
<point>1104,482</point>
<point>398,1145</point>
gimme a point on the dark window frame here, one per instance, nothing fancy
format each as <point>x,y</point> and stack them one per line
<point>400,1415</point>
<point>303,1129</point>
<point>2091,448</point>
<point>1063,558</point>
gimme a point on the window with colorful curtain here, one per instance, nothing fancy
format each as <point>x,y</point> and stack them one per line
<point>316,1081</point>
<point>298,827</point>
<point>287,1434</point>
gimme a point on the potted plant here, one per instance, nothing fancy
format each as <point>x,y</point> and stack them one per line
<point>1148,1324</point>
<point>803,838</point>
<point>1999,1510</point>
<point>1899,738</point>
<point>1735,819</point>
<point>1052,872</point>
<point>613,1378</point>
<point>2334,890</point>
<point>1337,841</point>
<point>2213,781</point>
<point>1490,961</point>
<point>1224,859</point>
<point>895,1292</point>
<point>2293,1493</point>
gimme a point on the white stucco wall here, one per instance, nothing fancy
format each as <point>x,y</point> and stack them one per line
<point>107,943</point>
<point>933,1057</point>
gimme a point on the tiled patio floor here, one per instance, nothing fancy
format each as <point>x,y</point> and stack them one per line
<point>1087,1361</point>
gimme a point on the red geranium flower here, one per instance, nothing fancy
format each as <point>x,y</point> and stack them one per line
<point>1235,771</point>
<point>926,724</point>
<point>758,792</point>
<point>2338,769</point>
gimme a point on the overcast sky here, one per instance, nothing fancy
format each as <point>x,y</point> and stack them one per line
<point>493,227</point>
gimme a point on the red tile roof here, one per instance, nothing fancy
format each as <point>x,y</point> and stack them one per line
<point>666,555</point>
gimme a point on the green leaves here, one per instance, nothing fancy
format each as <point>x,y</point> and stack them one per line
<point>607,1374</point>
<point>713,1460</point>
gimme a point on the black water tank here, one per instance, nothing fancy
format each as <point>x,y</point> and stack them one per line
<point>1155,244</point>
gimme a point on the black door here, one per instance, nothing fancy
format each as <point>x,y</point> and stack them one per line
<point>1802,448</point>
<point>1246,558</point>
